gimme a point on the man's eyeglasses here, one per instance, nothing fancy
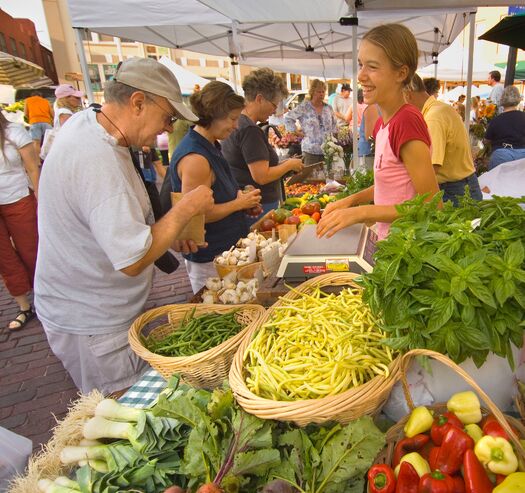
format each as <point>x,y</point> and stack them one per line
<point>273,104</point>
<point>171,119</point>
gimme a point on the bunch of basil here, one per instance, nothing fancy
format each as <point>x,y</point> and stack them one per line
<point>452,279</point>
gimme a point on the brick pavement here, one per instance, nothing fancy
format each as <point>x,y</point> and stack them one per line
<point>35,390</point>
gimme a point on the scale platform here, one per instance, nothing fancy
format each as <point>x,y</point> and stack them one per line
<point>349,250</point>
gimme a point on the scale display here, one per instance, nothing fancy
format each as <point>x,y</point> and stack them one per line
<point>349,250</point>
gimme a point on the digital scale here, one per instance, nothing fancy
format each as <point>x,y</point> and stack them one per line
<point>349,250</point>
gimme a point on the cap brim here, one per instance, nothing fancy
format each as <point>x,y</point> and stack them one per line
<point>184,111</point>
<point>78,94</point>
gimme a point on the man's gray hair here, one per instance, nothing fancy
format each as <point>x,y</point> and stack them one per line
<point>117,92</point>
<point>510,97</point>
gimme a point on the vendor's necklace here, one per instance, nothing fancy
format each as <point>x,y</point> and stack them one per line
<point>119,131</point>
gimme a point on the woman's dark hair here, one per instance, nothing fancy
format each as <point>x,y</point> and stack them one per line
<point>3,124</point>
<point>360,98</point>
<point>431,85</point>
<point>214,102</point>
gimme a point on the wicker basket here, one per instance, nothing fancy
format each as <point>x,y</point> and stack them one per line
<point>396,433</point>
<point>351,404</point>
<point>247,272</point>
<point>224,270</point>
<point>207,369</point>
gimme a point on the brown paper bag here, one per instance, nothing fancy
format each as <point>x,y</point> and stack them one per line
<point>194,230</point>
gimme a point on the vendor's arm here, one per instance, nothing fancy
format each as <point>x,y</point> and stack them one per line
<point>364,196</point>
<point>262,173</point>
<point>31,165</point>
<point>164,233</point>
<point>194,170</point>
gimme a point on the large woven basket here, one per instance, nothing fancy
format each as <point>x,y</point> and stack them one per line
<point>207,369</point>
<point>396,433</point>
<point>351,404</point>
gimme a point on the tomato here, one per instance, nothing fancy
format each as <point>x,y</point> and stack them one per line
<point>296,211</point>
<point>316,216</point>
<point>311,207</point>
<point>292,220</point>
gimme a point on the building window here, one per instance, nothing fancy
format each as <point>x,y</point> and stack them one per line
<point>94,76</point>
<point>3,44</point>
<point>14,50</point>
<point>109,71</point>
<point>212,63</point>
<point>23,52</point>
<point>106,38</point>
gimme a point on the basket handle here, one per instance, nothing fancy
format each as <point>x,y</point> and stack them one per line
<point>407,357</point>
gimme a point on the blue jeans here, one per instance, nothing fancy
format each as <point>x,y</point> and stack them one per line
<point>37,130</point>
<point>504,155</point>
<point>266,208</point>
<point>454,189</point>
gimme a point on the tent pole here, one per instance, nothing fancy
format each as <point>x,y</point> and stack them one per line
<point>355,133</point>
<point>83,64</point>
<point>435,53</point>
<point>472,35</point>
<point>511,66</point>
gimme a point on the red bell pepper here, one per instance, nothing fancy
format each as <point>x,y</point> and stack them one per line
<point>407,445</point>
<point>500,478</point>
<point>433,457</point>
<point>441,425</point>
<point>459,484</point>
<point>436,482</point>
<point>492,427</point>
<point>407,479</point>
<point>476,478</point>
<point>450,457</point>
<point>381,479</point>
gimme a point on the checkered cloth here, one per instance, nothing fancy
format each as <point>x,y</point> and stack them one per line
<point>144,393</point>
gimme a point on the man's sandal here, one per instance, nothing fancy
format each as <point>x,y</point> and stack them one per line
<point>21,319</point>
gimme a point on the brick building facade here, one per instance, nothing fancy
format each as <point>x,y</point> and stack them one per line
<point>18,37</point>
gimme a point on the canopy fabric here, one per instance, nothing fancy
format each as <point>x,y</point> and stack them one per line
<point>303,37</point>
<point>520,69</point>
<point>508,31</point>
<point>18,72</point>
<point>186,79</point>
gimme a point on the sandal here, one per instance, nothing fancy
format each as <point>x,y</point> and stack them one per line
<point>21,319</point>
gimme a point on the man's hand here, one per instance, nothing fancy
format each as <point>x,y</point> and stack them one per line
<point>198,201</point>
<point>247,200</point>
<point>187,246</point>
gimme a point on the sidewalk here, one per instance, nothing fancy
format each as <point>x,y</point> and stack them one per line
<point>35,390</point>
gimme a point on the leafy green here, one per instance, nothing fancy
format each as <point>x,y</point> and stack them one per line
<point>357,182</point>
<point>444,283</point>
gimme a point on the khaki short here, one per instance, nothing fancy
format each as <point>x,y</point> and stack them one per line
<point>104,362</point>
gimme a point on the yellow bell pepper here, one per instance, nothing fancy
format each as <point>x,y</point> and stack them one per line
<point>304,217</point>
<point>418,461</point>
<point>474,432</point>
<point>466,406</point>
<point>496,454</point>
<point>420,420</point>
<point>513,483</point>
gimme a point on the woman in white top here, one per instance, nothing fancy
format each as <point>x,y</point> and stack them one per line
<point>18,223</point>
<point>68,102</point>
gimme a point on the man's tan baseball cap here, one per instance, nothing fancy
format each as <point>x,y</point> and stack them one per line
<point>151,76</point>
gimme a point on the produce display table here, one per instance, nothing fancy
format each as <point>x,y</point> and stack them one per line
<point>271,289</point>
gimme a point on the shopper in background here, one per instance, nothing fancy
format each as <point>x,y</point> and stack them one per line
<point>506,132</point>
<point>496,93</point>
<point>341,104</point>
<point>459,106</point>
<point>98,237</point>
<point>388,58</point>
<point>432,86</point>
<point>68,102</point>
<point>197,161</point>
<point>18,223</point>
<point>163,148</point>
<point>252,159</point>
<point>361,106</point>
<point>366,131</point>
<point>451,152</point>
<point>39,115</point>
<point>317,120</point>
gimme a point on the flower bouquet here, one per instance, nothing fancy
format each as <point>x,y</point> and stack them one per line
<point>333,154</point>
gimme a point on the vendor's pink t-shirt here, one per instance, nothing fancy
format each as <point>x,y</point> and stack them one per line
<point>392,183</point>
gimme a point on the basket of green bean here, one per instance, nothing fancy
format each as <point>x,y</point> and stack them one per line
<point>194,340</point>
<point>318,355</point>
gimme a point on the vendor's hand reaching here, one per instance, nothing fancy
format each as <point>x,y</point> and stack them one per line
<point>197,201</point>
<point>336,205</point>
<point>294,164</point>
<point>338,219</point>
<point>247,200</point>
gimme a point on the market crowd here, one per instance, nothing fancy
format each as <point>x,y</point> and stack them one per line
<point>103,225</point>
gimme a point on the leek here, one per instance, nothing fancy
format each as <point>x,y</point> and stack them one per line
<point>48,486</point>
<point>111,409</point>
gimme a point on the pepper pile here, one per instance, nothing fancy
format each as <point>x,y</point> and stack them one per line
<point>454,452</point>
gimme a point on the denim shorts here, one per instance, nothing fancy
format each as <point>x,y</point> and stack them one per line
<point>454,189</point>
<point>38,130</point>
<point>505,155</point>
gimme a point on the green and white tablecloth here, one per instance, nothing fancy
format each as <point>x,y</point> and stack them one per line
<point>145,391</point>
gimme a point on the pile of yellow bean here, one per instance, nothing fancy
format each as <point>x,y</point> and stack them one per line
<point>314,346</point>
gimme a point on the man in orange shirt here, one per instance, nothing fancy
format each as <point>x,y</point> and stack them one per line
<point>39,114</point>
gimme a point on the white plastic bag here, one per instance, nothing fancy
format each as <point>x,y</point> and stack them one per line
<point>49,138</point>
<point>14,454</point>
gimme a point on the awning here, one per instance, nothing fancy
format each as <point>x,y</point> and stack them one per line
<point>18,72</point>
<point>520,69</point>
<point>508,31</point>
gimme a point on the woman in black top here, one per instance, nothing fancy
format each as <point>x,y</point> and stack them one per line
<point>506,132</point>
<point>252,159</point>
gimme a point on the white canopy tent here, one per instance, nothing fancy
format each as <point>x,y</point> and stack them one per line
<point>185,78</point>
<point>294,36</point>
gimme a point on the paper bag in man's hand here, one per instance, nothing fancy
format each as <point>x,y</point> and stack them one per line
<point>194,229</point>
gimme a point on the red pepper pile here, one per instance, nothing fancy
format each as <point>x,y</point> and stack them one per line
<point>439,460</point>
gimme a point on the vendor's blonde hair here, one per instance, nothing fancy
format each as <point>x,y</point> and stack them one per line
<point>316,85</point>
<point>64,103</point>
<point>399,45</point>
